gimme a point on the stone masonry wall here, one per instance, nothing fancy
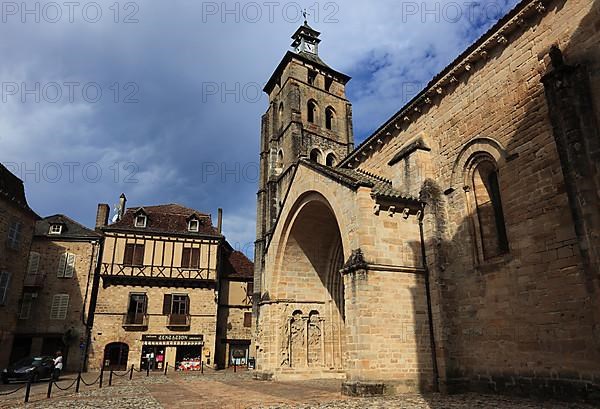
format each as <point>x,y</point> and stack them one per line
<point>525,320</point>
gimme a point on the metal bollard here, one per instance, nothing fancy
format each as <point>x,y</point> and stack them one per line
<point>147,369</point>
<point>78,381</point>
<point>166,367</point>
<point>50,387</point>
<point>202,367</point>
<point>28,389</point>
<point>131,372</point>
<point>110,378</point>
<point>234,366</point>
<point>101,376</point>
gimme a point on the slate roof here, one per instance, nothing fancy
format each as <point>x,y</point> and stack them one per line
<point>12,190</point>
<point>71,229</point>
<point>167,218</point>
<point>238,266</point>
<point>355,178</point>
<point>306,57</point>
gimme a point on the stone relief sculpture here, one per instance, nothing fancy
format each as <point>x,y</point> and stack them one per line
<point>297,339</point>
<point>315,339</point>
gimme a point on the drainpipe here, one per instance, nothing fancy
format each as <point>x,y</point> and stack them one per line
<point>436,377</point>
<point>93,301</point>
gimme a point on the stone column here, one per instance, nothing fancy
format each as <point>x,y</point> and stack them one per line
<point>575,129</point>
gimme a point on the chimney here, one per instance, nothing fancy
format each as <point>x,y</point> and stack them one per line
<point>122,203</point>
<point>220,220</point>
<point>102,215</point>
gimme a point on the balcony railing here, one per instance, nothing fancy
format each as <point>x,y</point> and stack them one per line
<point>34,280</point>
<point>164,272</point>
<point>135,320</point>
<point>179,321</point>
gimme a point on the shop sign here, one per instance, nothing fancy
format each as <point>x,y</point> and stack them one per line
<point>173,338</point>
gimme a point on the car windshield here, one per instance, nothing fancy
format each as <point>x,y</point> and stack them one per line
<point>35,361</point>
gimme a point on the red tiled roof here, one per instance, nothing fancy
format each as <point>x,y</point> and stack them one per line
<point>237,265</point>
<point>167,218</point>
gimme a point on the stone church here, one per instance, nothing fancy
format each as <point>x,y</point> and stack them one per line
<point>458,246</point>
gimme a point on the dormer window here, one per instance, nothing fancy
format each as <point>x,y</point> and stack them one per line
<point>193,225</point>
<point>55,229</point>
<point>140,220</point>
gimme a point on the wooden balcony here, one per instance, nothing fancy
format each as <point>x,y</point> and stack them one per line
<point>34,280</point>
<point>179,321</point>
<point>157,276</point>
<point>135,321</point>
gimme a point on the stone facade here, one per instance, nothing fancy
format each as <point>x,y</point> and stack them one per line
<point>457,247</point>
<point>158,289</point>
<point>17,222</point>
<point>59,264</point>
<point>235,312</point>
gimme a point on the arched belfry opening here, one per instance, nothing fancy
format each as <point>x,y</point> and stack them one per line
<point>311,259</point>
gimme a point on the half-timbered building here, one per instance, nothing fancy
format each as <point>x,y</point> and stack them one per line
<point>157,294</point>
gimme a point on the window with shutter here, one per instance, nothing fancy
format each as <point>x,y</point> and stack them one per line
<point>138,255</point>
<point>4,284</point>
<point>185,258</point>
<point>134,255</point>
<point>167,304</point>
<point>70,265</point>
<point>60,306</point>
<point>14,234</point>
<point>195,262</point>
<point>34,263</point>
<point>25,310</point>
<point>66,265</point>
<point>190,258</point>
<point>62,264</point>
<point>247,319</point>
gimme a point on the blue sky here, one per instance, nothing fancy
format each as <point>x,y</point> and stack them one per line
<point>161,100</point>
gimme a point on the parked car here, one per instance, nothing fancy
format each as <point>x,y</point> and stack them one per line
<point>38,367</point>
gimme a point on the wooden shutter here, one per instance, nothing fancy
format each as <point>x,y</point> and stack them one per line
<point>138,255</point>
<point>34,263</point>
<point>60,306</point>
<point>25,310</point>
<point>62,264</point>
<point>70,265</point>
<point>128,257</point>
<point>167,304</point>
<point>187,304</point>
<point>195,258</point>
<point>185,257</point>
<point>247,319</point>
<point>4,284</point>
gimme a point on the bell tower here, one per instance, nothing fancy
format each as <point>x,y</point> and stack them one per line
<point>308,116</point>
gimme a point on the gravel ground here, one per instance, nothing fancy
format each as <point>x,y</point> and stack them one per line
<point>141,393</point>
<point>466,401</point>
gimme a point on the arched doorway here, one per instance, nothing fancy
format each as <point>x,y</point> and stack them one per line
<point>115,356</point>
<point>310,263</point>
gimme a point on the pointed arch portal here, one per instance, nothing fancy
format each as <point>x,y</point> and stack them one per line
<point>311,258</point>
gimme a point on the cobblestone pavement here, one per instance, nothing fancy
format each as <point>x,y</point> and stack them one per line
<point>229,390</point>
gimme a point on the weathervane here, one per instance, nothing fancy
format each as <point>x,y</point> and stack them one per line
<point>305,14</point>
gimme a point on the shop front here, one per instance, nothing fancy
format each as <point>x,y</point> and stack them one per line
<point>182,351</point>
<point>238,352</point>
